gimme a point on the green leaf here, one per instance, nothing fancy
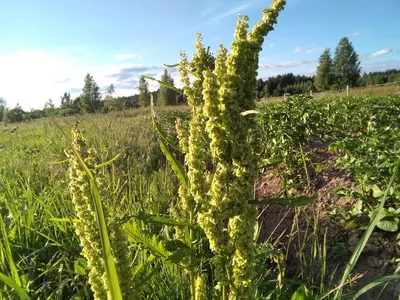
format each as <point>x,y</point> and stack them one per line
<point>135,234</point>
<point>302,293</point>
<point>65,220</point>
<point>378,216</point>
<point>179,255</point>
<point>350,224</point>
<point>250,112</point>
<point>375,283</point>
<point>171,66</point>
<point>108,162</point>
<point>388,224</point>
<point>376,191</point>
<point>80,266</point>
<point>17,288</point>
<point>292,202</point>
<point>8,253</point>
<point>174,245</point>
<point>167,85</point>
<point>175,164</point>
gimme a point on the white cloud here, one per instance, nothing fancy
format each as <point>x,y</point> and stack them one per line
<point>356,33</point>
<point>297,49</point>
<point>127,56</point>
<point>308,50</point>
<point>209,9</point>
<point>30,77</point>
<point>380,66</point>
<point>288,64</point>
<point>233,11</point>
<point>381,52</point>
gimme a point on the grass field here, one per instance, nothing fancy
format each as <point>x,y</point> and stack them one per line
<point>304,140</point>
<point>374,90</point>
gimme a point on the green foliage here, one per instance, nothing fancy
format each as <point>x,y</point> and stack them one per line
<point>90,98</point>
<point>17,114</point>
<point>3,106</point>
<point>346,65</point>
<point>289,83</point>
<point>49,108</point>
<point>66,101</point>
<point>166,95</point>
<point>112,103</point>
<point>144,94</point>
<point>324,77</point>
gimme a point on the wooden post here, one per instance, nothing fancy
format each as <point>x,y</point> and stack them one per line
<point>347,90</point>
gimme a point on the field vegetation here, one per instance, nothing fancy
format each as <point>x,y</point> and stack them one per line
<point>225,198</point>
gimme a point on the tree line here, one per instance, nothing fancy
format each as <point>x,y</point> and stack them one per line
<point>333,73</point>
<point>91,100</point>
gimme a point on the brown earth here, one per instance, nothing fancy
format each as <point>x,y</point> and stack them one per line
<point>291,229</point>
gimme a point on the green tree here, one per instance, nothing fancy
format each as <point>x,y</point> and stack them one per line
<point>110,102</point>
<point>166,96</point>
<point>346,65</point>
<point>66,100</point>
<point>324,77</point>
<point>15,115</point>
<point>49,108</point>
<point>5,115</point>
<point>90,97</point>
<point>3,106</point>
<point>144,94</point>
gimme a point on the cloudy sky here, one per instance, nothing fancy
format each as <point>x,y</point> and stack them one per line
<point>47,46</point>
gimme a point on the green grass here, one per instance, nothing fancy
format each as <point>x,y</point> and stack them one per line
<point>39,250</point>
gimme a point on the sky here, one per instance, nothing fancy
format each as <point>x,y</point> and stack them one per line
<point>47,47</point>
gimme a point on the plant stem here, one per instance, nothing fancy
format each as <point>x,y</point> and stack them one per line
<point>192,274</point>
<point>224,292</point>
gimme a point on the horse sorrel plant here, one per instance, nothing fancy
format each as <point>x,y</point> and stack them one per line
<point>221,150</point>
<point>224,134</point>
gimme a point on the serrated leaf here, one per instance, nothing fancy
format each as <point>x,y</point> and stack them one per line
<point>148,241</point>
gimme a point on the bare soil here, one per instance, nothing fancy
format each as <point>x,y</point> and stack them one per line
<point>291,229</point>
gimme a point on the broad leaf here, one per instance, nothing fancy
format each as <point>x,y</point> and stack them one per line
<point>80,266</point>
<point>302,293</point>
<point>388,224</point>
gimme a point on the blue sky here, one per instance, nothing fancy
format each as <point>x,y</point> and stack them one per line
<point>47,47</point>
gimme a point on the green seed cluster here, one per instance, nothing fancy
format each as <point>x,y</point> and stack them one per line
<point>222,89</point>
<point>87,229</point>
<point>120,246</point>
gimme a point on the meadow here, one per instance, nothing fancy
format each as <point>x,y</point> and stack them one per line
<point>225,198</point>
<point>41,252</point>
